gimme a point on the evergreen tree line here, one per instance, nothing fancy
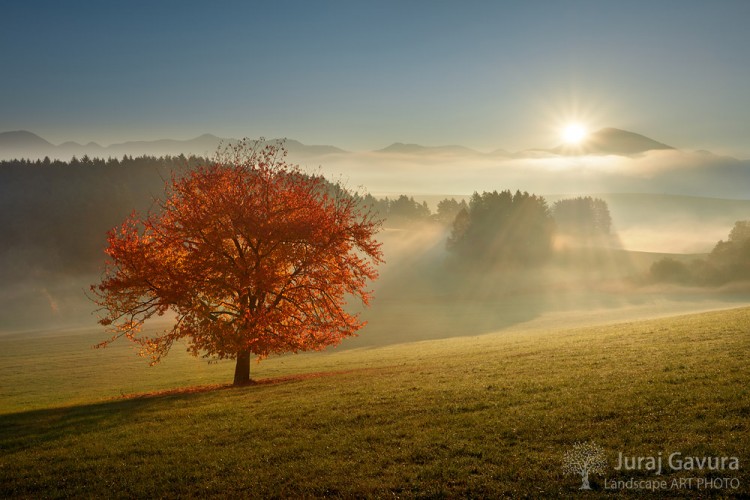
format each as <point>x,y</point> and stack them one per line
<point>583,216</point>
<point>54,215</point>
<point>405,209</point>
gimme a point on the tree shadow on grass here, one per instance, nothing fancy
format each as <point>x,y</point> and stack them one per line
<point>35,428</point>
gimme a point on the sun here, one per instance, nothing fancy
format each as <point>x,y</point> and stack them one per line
<point>574,133</point>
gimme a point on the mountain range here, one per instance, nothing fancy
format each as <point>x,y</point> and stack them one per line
<point>25,144</point>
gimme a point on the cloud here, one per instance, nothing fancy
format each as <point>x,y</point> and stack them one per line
<point>669,172</point>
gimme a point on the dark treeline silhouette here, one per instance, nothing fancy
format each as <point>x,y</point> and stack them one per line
<point>502,227</point>
<point>54,215</point>
<point>399,210</point>
<point>728,261</point>
<point>405,210</point>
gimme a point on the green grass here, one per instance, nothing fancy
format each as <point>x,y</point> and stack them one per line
<point>482,416</point>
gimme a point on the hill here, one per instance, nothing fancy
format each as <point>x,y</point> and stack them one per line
<point>613,141</point>
<point>22,139</point>
<point>487,416</point>
<point>23,144</point>
<point>19,142</point>
<point>672,223</point>
<point>416,149</point>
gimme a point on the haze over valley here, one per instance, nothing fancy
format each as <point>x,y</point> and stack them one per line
<point>378,249</point>
<point>662,201</point>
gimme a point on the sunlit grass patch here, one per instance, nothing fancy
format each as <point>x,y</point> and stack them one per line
<point>480,416</point>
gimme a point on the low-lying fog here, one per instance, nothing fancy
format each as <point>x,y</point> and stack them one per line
<point>661,201</point>
<point>672,205</point>
<point>419,296</point>
<point>656,172</point>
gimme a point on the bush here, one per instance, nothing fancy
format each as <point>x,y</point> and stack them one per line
<point>670,270</point>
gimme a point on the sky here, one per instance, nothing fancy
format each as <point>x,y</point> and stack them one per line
<point>361,75</point>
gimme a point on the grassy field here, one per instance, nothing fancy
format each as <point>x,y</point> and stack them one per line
<point>477,416</point>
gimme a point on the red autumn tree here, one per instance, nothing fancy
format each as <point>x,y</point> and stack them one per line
<point>251,256</point>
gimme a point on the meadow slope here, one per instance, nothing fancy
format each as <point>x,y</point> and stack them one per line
<point>474,416</point>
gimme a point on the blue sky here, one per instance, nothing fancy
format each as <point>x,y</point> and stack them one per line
<point>361,75</point>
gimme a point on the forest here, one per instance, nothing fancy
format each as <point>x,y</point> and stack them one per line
<point>55,214</point>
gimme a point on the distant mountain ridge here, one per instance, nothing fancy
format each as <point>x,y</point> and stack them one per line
<point>25,144</point>
<point>22,139</point>
<point>401,148</point>
<point>606,141</point>
<point>613,141</point>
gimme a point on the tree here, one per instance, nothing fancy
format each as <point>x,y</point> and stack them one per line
<point>447,210</point>
<point>406,208</point>
<point>740,232</point>
<point>379,207</point>
<point>670,270</point>
<point>584,459</point>
<point>582,216</point>
<point>503,228</point>
<point>731,258</point>
<point>252,257</point>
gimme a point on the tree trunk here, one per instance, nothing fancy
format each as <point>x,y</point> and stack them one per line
<point>242,368</point>
<point>585,485</point>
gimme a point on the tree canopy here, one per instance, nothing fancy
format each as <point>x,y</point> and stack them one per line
<point>501,227</point>
<point>250,254</point>
<point>582,216</point>
<point>731,258</point>
<point>448,209</point>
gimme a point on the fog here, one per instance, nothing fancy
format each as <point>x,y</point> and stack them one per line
<point>665,202</point>
<point>422,295</point>
<point>657,172</point>
<point>661,201</point>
